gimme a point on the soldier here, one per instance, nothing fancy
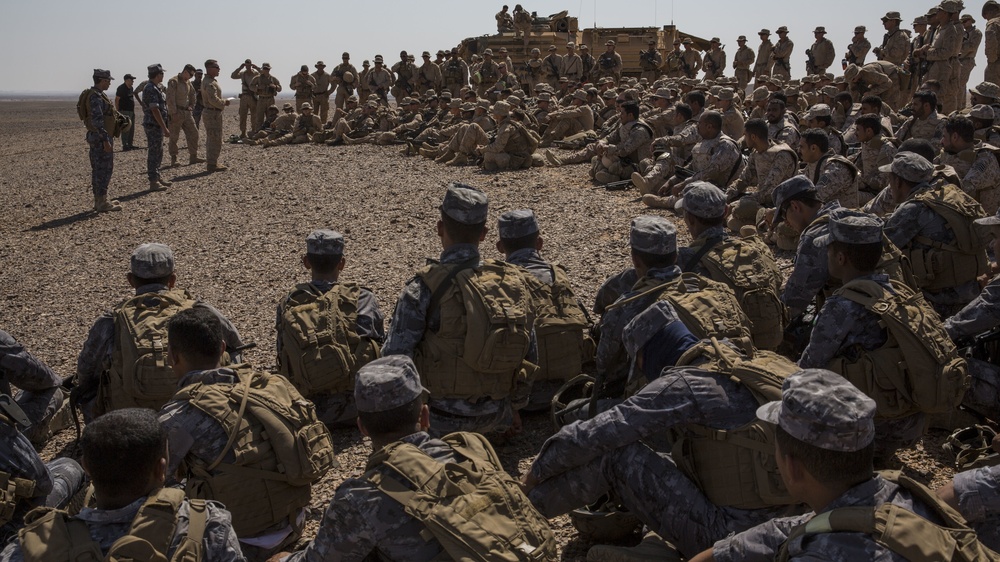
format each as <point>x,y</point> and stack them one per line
<point>650,61</point>
<point>673,66</point>
<point>973,493</point>
<point>732,119</point>
<point>780,126</point>
<point>770,164</point>
<point>609,64</point>
<point>991,46</point>
<point>916,67</point>
<point>155,123</point>
<point>406,77</point>
<point>576,118</point>
<point>973,161</point>
<point>455,73</point>
<point>532,72</point>
<point>510,148</point>
<point>40,396</point>
<point>380,81</point>
<point>126,496</point>
<point>715,60</point>
<point>125,104</point>
<point>100,116</point>
<point>572,64</point>
<point>551,67</point>
<point>321,92</point>
<point>429,75</point>
<point>820,116</point>
<point>618,155</point>
<point>588,63</point>
<point>180,103</point>
<point>505,22</point>
<point>214,105</point>
<point>971,39</point>
<point>364,91</point>
<point>765,62</point>
<point>691,59</point>
<point>464,397</point>
<point>506,81</point>
<point>820,56</point>
<point>265,87</point>
<point>487,73</point>
<point>879,78</point>
<point>781,55</point>
<point>302,131</point>
<point>743,61</point>
<point>303,84</point>
<point>522,21</point>
<point>943,51</point>
<point>859,46</point>
<point>925,123</point>
<point>895,46</point>
<point>876,152</point>
<point>199,105</point>
<point>274,126</point>
<point>245,73</point>
<point>344,88</point>
<point>831,174</point>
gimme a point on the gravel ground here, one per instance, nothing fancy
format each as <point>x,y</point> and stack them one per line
<point>238,235</point>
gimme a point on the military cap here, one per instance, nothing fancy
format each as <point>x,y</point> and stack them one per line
<point>823,409</point>
<point>386,383</point>
<point>272,107</point>
<point>609,94</point>
<point>662,93</point>
<point>741,38</point>
<point>827,76</point>
<point>860,29</point>
<point>993,220</point>
<point>466,106</point>
<point>440,53</point>
<point>818,110</point>
<point>446,93</point>
<point>365,63</point>
<point>653,235</point>
<point>320,64</point>
<point>851,228</point>
<point>580,95</point>
<point>129,76</point>
<point>983,112</point>
<point>764,32</point>
<point>154,69</point>
<point>378,59</point>
<point>714,90</point>
<point>552,47</point>
<point>760,94</point>
<point>501,108</point>
<point>371,104</point>
<point>715,40</point>
<point>517,224</point>
<point>544,96</point>
<point>535,51</point>
<point>101,74</point>
<point>406,101</point>
<point>610,42</point>
<point>951,6</point>
<point>702,200</point>
<point>911,167</point>
<point>892,16</point>
<point>819,29</point>
<point>690,82</point>
<point>199,71</point>
<point>967,17</point>
<point>287,106</point>
<point>425,54</point>
<point>830,91</point>
<point>783,29</point>
<point>504,49</point>
<point>920,20</point>
<point>465,204</point>
<point>687,41</point>
<point>793,188</point>
<point>644,327</point>
<point>454,104</point>
<point>791,92</point>
<point>851,72</point>
<point>677,41</point>
<point>306,105</point>
<point>354,98</point>
<point>152,261</point>
<point>211,63</point>
<point>325,243</point>
<point>987,90</point>
<point>488,52</point>
<point>651,41</point>
<point>247,62</point>
<point>483,104</point>
<point>991,4</point>
<point>266,65</point>
<point>515,101</point>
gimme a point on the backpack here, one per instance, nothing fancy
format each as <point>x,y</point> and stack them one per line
<point>280,448</point>
<point>900,530</point>
<point>139,375</point>
<point>485,331</point>
<point>562,329</point>
<point>321,350</point>
<point>531,138</point>
<point>747,266</point>
<point>52,535</point>
<point>114,122</point>
<point>735,468</point>
<point>918,369</point>
<point>12,489</point>
<point>472,507</point>
<point>943,265</point>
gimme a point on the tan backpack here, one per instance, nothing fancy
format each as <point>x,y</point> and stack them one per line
<point>114,122</point>
<point>918,369</point>
<point>321,350</point>
<point>139,376</point>
<point>562,329</point>
<point>280,448</point>
<point>735,468</point>
<point>747,266</point>
<point>472,507</point>
<point>51,535</point>
<point>485,333</point>
<point>900,530</point>
<point>944,266</point>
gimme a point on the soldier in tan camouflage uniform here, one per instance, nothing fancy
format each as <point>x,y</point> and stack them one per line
<point>943,52</point>
<point>991,13</point>
<point>832,175</point>
<point>322,90</point>
<point>765,61</point>
<point>925,123</point>
<point>245,73</point>
<point>180,103</point>
<point>302,131</point>
<point>346,89</point>
<point>673,65</point>
<point>509,149</point>
<point>770,165</point>
<point>619,155</point>
<point>265,87</point>
<point>303,84</point>
<point>275,125</point>
<point>379,80</point>
<point>551,66</point>
<point>876,151</point>
<point>650,61</point>
<point>692,61</point>
<point>821,54</point>
<point>973,161</point>
<point>971,40</point>
<point>781,55</point>
<point>859,46</point>
<point>405,77</point>
<point>715,60</point>
<point>429,75</point>
<point>577,118</point>
<point>743,61</point>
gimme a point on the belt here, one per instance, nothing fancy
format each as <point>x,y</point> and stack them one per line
<point>212,109</point>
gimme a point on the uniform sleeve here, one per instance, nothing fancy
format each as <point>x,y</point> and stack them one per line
<point>835,179</point>
<point>808,276</point>
<point>95,355</point>
<point>409,319</point>
<point>978,492</point>
<point>757,544</point>
<point>220,543</point>
<point>992,46</point>
<point>833,323</point>
<point>371,321</point>
<point>983,175</point>
<point>904,224</point>
<point>636,138</point>
<point>978,316</point>
<point>725,157</point>
<point>97,116</point>
<point>22,369</point>
<point>346,532</point>
<point>782,168</point>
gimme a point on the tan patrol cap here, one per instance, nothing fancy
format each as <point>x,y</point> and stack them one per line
<point>892,16</point>
<point>610,42</point>
<point>784,29</point>
<point>860,29</point>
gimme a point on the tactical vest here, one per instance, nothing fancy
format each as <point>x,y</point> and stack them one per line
<point>943,266</point>
<point>918,368</point>
<point>747,266</point>
<point>900,530</point>
<point>736,467</point>
<point>764,161</point>
<point>321,350</point>
<point>139,376</point>
<point>471,506</point>
<point>280,449</point>
<point>485,328</point>
<point>453,72</point>
<point>562,329</point>
<point>114,122</point>
<point>52,535</point>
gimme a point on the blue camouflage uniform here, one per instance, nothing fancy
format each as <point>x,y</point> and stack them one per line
<point>102,164</point>
<point>978,494</point>
<point>978,317</point>
<point>613,288</point>
<point>154,97</point>
<point>685,254</point>
<point>40,395</point>
<point>810,273</point>
<point>841,327</point>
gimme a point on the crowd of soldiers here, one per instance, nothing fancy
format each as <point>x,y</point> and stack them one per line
<point>736,413</point>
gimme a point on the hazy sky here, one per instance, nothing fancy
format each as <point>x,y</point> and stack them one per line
<point>52,46</point>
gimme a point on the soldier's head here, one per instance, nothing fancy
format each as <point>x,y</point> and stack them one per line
<point>991,9</point>
<point>982,116</point>
<point>775,111</point>
<point>248,64</point>
<point>704,207</point>
<point>194,340</point>
<point>610,45</point>
<point>819,116</point>
<point>959,134</point>
<point>920,24</point>
<point>859,32</point>
<point>212,67</point>
<point>102,79</point>
<point>871,104</point>
<point>463,215</point>
<point>782,32</point>
<point>571,47</point>
<point>741,41</point>
<point>155,73</point>
<point>844,100</point>
<point>890,21</point>
<point>653,241</point>
<point>907,171</point>
<point>629,111</point>
<point>819,33</point>
<point>985,93</point>
<point>390,399</point>
<point>755,134</point>
<point>696,99</point>
<point>853,245</point>
<point>151,264</point>
<point>188,72</point>
<point>265,69</point>
<point>682,113</point>
<point>518,231</point>
<point>814,143</point>
<point>868,127</point>
<point>923,104</point>
<point>710,124</point>
<point>324,256</point>
<point>796,202</point>
<point>125,454</point>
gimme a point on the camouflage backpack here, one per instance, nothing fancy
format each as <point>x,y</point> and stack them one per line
<point>51,535</point>
<point>562,329</point>
<point>114,122</point>
<point>949,265</point>
<point>321,350</point>
<point>471,506</point>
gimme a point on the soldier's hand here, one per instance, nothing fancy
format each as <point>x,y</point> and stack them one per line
<point>107,147</point>
<point>528,481</point>
<point>769,216</point>
<point>166,132</point>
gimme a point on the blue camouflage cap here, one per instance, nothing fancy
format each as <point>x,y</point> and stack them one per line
<point>703,200</point>
<point>325,243</point>
<point>851,228</point>
<point>387,383</point>
<point>653,235</point>
<point>910,166</point>
<point>465,204</point>
<point>821,408</point>
<point>152,261</point>
<point>517,224</point>
<point>790,189</point>
<point>641,329</point>
<point>100,73</point>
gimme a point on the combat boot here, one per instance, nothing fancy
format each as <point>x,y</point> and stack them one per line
<point>428,152</point>
<point>250,142</point>
<point>578,157</point>
<point>640,182</point>
<point>652,547</point>
<point>102,205</point>
<point>459,160</point>
<point>155,185</point>
<point>658,202</point>
<point>218,168</point>
<point>196,160</point>
<point>446,157</point>
<point>551,159</point>
<point>164,182</point>
<point>173,160</point>
<point>605,178</point>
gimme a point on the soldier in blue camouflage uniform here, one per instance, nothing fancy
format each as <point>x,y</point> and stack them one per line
<point>622,450</point>
<point>976,495</point>
<point>321,246</point>
<point>134,434</point>
<point>413,317</point>
<point>102,149</point>
<point>40,396</point>
<point>704,206</point>
<point>825,434</point>
<point>151,270</point>
<point>156,123</point>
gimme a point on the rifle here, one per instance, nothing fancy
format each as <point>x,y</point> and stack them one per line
<point>618,185</point>
<point>685,66</point>
<point>810,60</point>
<point>975,347</point>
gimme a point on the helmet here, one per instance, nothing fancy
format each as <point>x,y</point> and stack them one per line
<point>348,78</point>
<point>571,397</point>
<point>604,521</point>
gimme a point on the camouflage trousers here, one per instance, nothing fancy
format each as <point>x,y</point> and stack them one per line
<point>248,107</point>
<point>259,111</point>
<point>67,479</point>
<point>213,136</point>
<point>497,161</point>
<point>443,423</point>
<point>102,164</point>
<point>321,106</point>
<point>562,128</point>
<point>39,407</point>
<point>651,487</point>
<point>154,151</point>
<point>743,78</point>
<point>128,135</point>
<point>983,395</point>
<point>993,72</point>
<point>466,140</point>
<point>942,71</point>
<point>183,120</point>
<point>196,114</point>
<point>656,172</point>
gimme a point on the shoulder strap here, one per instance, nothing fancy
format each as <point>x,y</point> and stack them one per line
<point>449,279</point>
<point>705,249</point>
<point>152,529</point>
<point>190,549</point>
<point>236,426</point>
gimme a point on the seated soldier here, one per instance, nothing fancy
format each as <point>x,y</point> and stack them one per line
<point>976,495</point>
<point>876,151</point>
<point>106,371</point>
<point>562,325</point>
<point>323,370</point>
<point>819,117</point>
<point>40,395</point>
<point>372,516</point>
<point>832,174</point>
<point>770,164</point>
<point>478,382</point>
<point>259,477</point>
<point>305,125</point>
<point>512,146</point>
<point>975,162</point>
<point>825,441</point>
<point>625,451</point>
<point>576,118</point>
<point>276,127</point>
<point>883,204</point>
<point>124,453</point>
<point>619,155</point>
<point>27,481</point>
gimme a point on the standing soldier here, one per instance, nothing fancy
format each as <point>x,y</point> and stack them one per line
<point>344,88</point>
<point>380,81</point>
<point>101,141</point>
<point>650,60</point>
<point>155,124</point>
<point>572,64</point>
<point>303,84</point>
<point>322,90</point>
<point>917,69</point>
<point>764,62</point>
<point>245,73</point>
<point>211,94</point>
<point>533,72</point>
<point>456,73</point>
<point>820,56</point>
<point>943,51</point>
<point>609,64</point>
<point>199,107</point>
<point>429,75</point>
<point>781,56</point>
<point>406,74</point>
<point>488,73</point>
<point>742,62</point>
<point>180,104</point>
<point>588,63</point>
<point>551,67</point>
<point>715,60</point>
<point>858,49</point>
<point>895,46</point>
<point>264,87</point>
<point>691,59</point>
<point>991,13</point>
<point>125,104</point>
<point>970,47</point>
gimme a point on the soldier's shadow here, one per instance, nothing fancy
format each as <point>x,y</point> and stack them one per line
<point>189,177</point>
<point>84,215</point>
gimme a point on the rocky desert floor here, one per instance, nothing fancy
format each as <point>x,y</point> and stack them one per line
<point>238,237</point>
